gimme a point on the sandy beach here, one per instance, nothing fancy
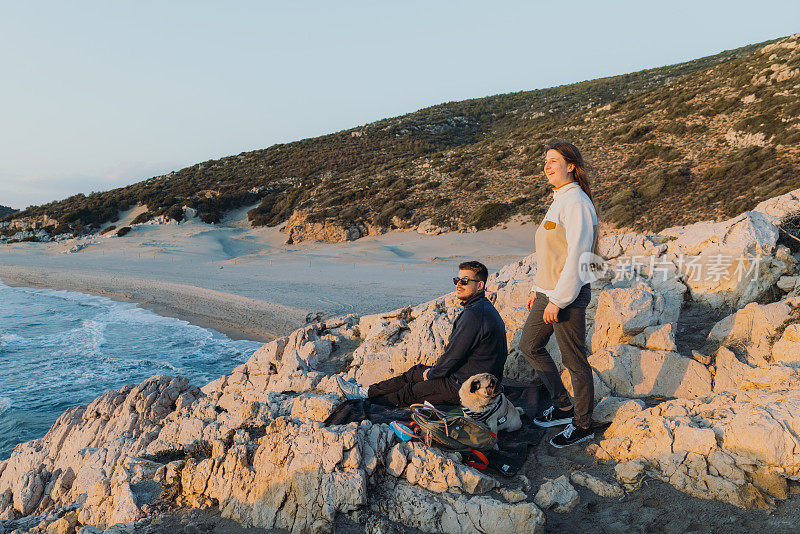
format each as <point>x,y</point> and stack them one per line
<point>247,283</point>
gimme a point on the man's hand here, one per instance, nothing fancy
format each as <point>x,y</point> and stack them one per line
<point>550,314</point>
<point>531,298</point>
<point>425,373</point>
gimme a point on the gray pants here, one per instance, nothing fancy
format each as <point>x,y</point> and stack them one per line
<point>570,333</point>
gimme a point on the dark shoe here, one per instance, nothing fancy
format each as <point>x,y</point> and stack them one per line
<point>554,417</point>
<point>571,435</point>
<point>350,390</point>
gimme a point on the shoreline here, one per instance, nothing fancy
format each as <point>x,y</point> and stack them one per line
<point>254,320</point>
<point>246,283</point>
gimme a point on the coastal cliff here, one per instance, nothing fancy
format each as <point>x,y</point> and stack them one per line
<point>695,346</point>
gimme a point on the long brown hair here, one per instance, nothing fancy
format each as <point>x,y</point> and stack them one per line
<point>572,155</point>
<point>580,173</point>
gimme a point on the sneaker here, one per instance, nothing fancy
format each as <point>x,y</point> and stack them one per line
<point>571,435</point>
<point>554,417</point>
<point>350,390</point>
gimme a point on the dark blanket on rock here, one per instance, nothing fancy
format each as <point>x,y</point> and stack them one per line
<point>513,446</point>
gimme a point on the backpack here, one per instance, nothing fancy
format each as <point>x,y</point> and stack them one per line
<point>453,432</point>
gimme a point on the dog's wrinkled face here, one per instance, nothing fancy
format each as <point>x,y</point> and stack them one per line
<point>484,385</point>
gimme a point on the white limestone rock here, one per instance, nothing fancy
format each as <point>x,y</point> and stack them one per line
<point>732,262</point>
<point>787,283</point>
<point>633,372</point>
<point>124,505</point>
<point>716,447</point>
<point>612,408</point>
<point>658,337</point>
<point>752,232</point>
<point>624,312</point>
<point>629,472</point>
<point>313,406</point>
<point>558,495</point>
<point>690,438</point>
<point>427,227</point>
<point>781,207</point>
<point>436,470</point>
<point>414,507</point>
<point>787,348</point>
<point>28,491</point>
<point>599,487</point>
<point>396,341</point>
<point>614,246</point>
<point>512,495</point>
<point>87,446</point>
<point>300,474</point>
<point>751,331</point>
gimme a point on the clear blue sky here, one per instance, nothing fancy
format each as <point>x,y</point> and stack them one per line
<point>101,94</point>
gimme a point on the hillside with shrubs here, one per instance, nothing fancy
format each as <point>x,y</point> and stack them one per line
<point>699,140</point>
<point>5,210</point>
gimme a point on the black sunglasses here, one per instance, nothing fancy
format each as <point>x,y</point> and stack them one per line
<point>463,281</point>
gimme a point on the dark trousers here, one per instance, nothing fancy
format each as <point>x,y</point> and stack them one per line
<point>409,388</point>
<point>570,333</point>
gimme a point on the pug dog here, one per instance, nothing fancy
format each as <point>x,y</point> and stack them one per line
<point>482,400</point>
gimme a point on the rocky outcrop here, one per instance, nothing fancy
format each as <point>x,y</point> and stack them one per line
<point>299,228</point>
<point>435,470</point>
<point>427,227</point>
<point>625,312</point>
<point>721,447</point>
<point>722,424</point>
<point>296,477</point>
<point>81,459</point>
<point>739,444</point>
<point>633,372</point>
<point>761,334</point>
<point>412,506</point>
<point>781,207</point>
<point>732,262</point>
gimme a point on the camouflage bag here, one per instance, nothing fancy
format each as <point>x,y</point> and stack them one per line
<point>453,432</point>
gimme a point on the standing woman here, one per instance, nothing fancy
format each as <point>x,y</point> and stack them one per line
<point>558,298</point>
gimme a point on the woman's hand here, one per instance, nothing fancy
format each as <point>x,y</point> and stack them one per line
<point>531,298</point>
<point>550,314</point>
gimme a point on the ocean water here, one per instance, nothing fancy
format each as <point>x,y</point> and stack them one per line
<point>60,349</point>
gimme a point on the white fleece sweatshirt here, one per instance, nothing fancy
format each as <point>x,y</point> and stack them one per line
<point>568,230</point>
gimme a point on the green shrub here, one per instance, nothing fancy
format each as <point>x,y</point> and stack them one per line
<point>143,217</point>
<point>677,128</point>
<point>620,214</point>
<point>622,197</point>
<point>637,133</point>
<point>211,217</point>
<point>490,214</point>
<point>174,212</point>
<point>651,187</point>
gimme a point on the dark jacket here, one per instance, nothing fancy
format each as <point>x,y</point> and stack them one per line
<point>477,343</point>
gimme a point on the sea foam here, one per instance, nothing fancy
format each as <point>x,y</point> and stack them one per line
<point>60,349</point>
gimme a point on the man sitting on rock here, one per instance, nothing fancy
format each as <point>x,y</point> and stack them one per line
<point>477,344</point>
